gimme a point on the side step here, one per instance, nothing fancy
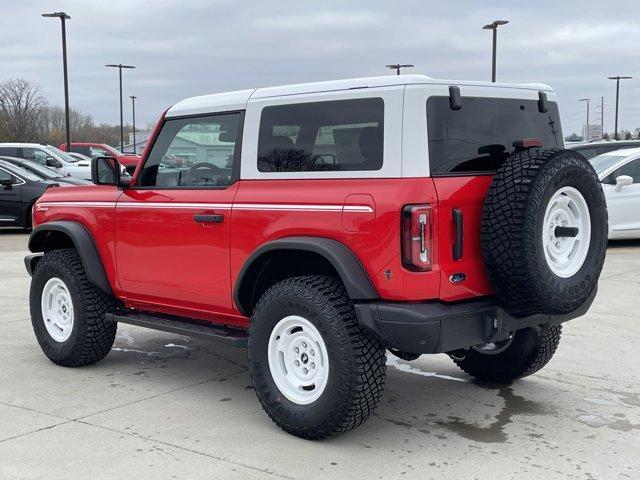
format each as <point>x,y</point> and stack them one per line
<point>183,326</point>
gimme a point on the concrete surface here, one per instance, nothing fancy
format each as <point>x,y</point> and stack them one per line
<point>164,406</point>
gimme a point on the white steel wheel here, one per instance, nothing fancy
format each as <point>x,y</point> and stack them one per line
<point>566,232</point>
<point>298,360</point>
<point>57,309</point>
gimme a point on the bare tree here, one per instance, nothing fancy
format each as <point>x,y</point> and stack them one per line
<point>22,111</point>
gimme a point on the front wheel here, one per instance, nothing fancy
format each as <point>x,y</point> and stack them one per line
<point>316,372</point>
<point>67,311</point>
<point>521,355</point>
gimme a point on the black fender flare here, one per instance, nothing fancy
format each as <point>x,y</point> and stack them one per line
<point>353,275</point>
<point>84,244</point>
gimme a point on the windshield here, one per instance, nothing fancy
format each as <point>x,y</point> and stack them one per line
<point>63,155</point>
<point>603,162</point>
<point>40,170</point>
<point>479,136</point>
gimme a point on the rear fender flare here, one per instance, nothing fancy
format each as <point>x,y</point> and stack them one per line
<point>351,272</point>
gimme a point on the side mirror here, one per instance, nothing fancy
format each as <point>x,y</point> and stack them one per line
<point>106,171</point>
<point>623,181</point>
<point>52,162</point>
<point>6,183</point>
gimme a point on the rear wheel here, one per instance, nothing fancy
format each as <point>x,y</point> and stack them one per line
<point>67,311</point>
<point>521,355</point>
<point>316,372</point>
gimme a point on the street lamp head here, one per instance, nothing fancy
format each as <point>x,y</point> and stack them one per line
<point>59,15</point>
<point>133,97</point>
<point>620,78</point>
<point>495,24</point>
<point>119,65</point>
<point>584,100</point>
<point>399,65</point>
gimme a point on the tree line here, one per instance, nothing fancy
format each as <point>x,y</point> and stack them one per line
<point>25,116</point>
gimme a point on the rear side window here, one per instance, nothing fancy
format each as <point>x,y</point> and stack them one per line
<point>9,151</point>
<point>81,149</point>
<point>342,135</point>
<point>478,137</point>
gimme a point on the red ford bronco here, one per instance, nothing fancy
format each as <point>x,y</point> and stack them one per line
<point>321,225</point>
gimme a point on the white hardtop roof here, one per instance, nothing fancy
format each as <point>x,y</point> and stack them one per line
<point>24,144</point>
<point>237,100</point>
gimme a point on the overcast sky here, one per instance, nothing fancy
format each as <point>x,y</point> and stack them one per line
<point>193,47</point>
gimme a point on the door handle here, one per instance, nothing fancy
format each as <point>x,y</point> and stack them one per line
<point>205,218</point>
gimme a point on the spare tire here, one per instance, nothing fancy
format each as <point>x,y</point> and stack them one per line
<point>544,232</point>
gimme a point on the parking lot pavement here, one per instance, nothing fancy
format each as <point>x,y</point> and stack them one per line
<point>165,406</point>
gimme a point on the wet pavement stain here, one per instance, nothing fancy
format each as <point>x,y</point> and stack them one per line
<point>494,433</point>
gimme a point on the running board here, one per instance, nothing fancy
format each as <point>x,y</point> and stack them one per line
<point>182,326</point>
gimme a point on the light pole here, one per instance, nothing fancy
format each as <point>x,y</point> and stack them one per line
<point>398,66</point>
<point>588,100</point>
<point>617,79</point>
<point>63,18</point>
<point>119,66</point>
<point>494,26</point>
<point>133,109</point>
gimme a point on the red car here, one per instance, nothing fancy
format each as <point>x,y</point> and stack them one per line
<point>94,150</point>
<point>322,225</point>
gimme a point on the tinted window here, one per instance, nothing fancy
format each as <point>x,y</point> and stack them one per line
<point>9,151</point>
<point>36,155</point>
<point>194,152</point>
<point>632,169</point>
<point>479,136</point>
<point>587,152</point>
<point>344,135</point>
<point>79,149</point>
<point>4,175</point>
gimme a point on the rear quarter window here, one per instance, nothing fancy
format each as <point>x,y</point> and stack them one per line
<point>341,135</point>
<point>478,137</point>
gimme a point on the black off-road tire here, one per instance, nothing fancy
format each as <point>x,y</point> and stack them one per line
<point>512,229</point>
<point>530,350</point>
<point>356,359</point>
<point>92,336</point>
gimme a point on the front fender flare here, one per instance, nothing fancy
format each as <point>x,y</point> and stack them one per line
<point>83,243</point>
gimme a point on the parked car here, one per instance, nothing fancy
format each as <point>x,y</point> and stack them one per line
<point>593,149</point>
<point>321,225</point>
<point>44,172</point>
<point>128,160</point>
<point>49,156</point>
<point>619,172</point>
<point>80,156</point>
<point>19,189</point>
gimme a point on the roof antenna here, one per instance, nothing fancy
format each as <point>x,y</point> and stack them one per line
<point>398,66</point>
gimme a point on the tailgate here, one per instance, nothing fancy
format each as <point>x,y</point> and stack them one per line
<point>462,197</point>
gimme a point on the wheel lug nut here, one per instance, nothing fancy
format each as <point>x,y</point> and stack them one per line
<point>304,344</point>
<point>311,352</point>
<point>297,363</point>
<point>305,370</point>
<point>297,350</point>
<point>313,365</point>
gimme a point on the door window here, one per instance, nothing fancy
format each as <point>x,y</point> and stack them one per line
<point>98,152</point>
<point>9,151</point>
<point>4,175</point>
<point>35,154</point>
<point>632,169</point>
<point>195,152</point>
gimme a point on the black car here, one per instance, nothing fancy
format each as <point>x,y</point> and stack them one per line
<point>19,189</point>
<point>44,172</point>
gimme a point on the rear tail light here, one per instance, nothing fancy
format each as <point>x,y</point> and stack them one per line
<point>417,237</point>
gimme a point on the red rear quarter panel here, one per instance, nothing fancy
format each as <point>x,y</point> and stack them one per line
<point>260,215</point>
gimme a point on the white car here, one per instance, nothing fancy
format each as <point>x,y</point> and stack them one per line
<point>49,156</point>
<point>619,172</point>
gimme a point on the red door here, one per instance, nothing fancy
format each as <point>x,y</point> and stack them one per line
<point>173,229</point>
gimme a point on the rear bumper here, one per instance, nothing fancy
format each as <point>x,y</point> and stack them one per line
<point>437,327</point>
